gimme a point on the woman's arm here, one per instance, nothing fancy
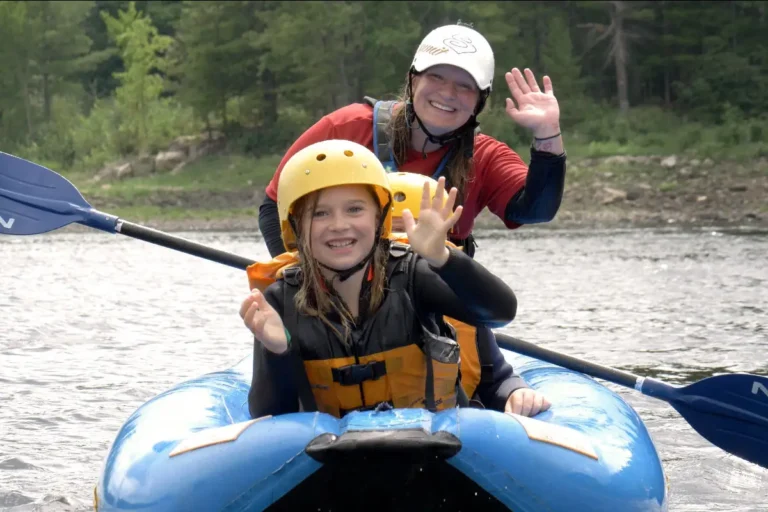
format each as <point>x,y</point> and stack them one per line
<point>539,200</point>
<point>515,192</point>
<point>463,289</point>
<point>503,381</point>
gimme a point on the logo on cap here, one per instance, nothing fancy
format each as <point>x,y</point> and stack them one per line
<point>460,44</point>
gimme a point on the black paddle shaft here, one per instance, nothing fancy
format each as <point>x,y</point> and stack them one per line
<point>181,244</point>
<point>596,370</point>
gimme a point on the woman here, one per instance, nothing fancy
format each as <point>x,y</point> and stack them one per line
<point>358,322</point>
<point>431,131</point>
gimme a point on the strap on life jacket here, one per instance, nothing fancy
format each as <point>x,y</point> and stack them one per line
<point>292,278</point>
<point>382,114</point>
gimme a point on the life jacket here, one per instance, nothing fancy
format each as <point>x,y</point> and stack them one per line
<point>261,275</point>
<point>473,372</point>
<point>393,357</point>
<point>382,114</point>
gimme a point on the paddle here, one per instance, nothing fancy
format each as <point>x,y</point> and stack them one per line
<point>731,411</point>
<point>36,200</point>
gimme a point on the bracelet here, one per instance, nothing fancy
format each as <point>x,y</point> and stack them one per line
<point>547,138</point>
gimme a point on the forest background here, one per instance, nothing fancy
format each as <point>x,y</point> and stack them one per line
<point>178,112</point>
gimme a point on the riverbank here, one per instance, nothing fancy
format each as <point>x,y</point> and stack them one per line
<point>223,192</point>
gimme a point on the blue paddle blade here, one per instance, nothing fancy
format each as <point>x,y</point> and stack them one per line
<point>730,411</point>
<point>34,199</point>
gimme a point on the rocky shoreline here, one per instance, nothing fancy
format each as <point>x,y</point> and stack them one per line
<point>617,191</point>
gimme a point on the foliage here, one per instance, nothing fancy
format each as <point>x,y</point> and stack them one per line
<point>87,82</point>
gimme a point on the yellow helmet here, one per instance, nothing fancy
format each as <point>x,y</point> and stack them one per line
<point>330,163</point>
<point>407,188</point>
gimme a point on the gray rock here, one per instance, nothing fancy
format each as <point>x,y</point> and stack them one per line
<point>124,171</point>
<point>168,160</point>
<point>612,195</point>
<point>669,162</point>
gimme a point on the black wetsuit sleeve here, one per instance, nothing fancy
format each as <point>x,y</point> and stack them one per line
<point>465,290</point>
<point>495,392</point>
<point>269,225</point>
<point>273,386</point>
<point>539,200</point>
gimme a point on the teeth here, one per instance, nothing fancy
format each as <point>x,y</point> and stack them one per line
<point>442,107</point>
<point>337,245</point>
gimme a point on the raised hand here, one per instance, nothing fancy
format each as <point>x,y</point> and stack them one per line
<point>538,111</point>
<point>436,218</point>
<point>264,322</point>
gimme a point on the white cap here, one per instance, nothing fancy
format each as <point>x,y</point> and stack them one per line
<point>460,46</point>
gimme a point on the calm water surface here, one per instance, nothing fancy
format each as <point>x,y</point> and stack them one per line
<point>93,325</point>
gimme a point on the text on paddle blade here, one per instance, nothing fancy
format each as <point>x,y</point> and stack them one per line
<point>7,224</point>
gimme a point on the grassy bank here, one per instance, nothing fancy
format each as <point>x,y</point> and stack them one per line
<point>213,188</point>
<point>224,191</point>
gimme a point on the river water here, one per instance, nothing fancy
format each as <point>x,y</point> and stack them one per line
<point>93,325</point>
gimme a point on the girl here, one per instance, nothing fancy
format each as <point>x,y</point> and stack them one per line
<point>358,322</point>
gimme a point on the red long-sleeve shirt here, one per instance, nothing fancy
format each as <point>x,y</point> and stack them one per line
<point>499,173</point>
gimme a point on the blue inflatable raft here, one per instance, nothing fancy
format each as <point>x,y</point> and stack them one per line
<point>195,448</point>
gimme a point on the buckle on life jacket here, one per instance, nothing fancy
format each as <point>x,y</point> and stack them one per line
<point>292,276</point>
<point>398,249</point>
<point>355,374</point>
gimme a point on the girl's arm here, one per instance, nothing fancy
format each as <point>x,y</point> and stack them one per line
<point>465,290</point>
<point>273,385</point>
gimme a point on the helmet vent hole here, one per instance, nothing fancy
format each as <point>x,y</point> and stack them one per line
<point>321,157</point>
<point>399,197</point>
<point>348,152</point>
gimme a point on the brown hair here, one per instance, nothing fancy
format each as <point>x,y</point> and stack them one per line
<point>313,297</point>
<point>459,170</point>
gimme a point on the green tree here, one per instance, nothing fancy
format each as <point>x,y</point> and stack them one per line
<point>17,52</point>
<point>327,63</point>
<point>216,61</point>
<point>62,46</point>
<point>143,52</point>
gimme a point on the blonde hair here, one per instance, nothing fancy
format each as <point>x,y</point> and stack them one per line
<point>459,169</point>
<point>314,297</point>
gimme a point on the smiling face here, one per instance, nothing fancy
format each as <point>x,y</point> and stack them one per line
<point>444,98</point>
<point>342,225</point>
